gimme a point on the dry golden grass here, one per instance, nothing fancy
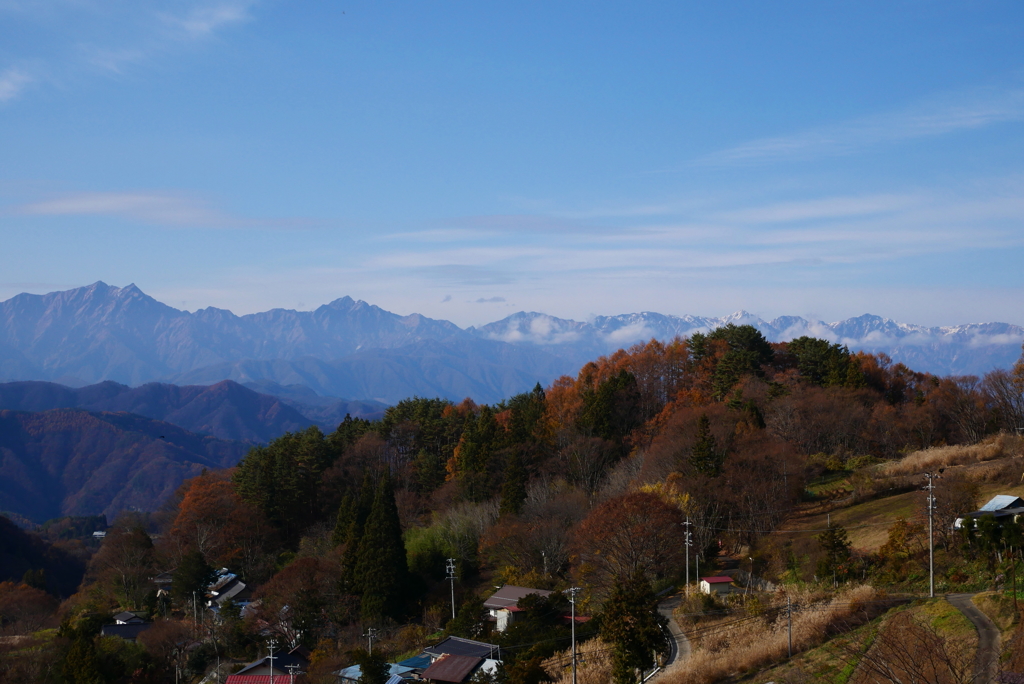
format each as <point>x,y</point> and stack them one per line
<point>926,460</point>
<point>593,664</point>
<point>758,643</point>
<point>999,610</point>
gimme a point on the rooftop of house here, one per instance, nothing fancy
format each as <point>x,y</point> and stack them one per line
<point>127,617</point>
<point>452,668</point>
<point>1001,501</point>
<point>510,594</point>
<point>221,582</point>
<point>716,580</point>
<point>355,672</point>
<point>420,662</point>
<point>466,647</point>
<point>281,662</point>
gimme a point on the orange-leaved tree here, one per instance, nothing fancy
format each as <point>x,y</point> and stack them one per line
<point>214,520</point>
<point>635,533</point>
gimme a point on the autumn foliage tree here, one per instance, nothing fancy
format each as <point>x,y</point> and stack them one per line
<point>215,521</point>
<point>125,562</point>
<point>638,534</point>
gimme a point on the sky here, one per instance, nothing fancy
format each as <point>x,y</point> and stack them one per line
<point>470,160</point>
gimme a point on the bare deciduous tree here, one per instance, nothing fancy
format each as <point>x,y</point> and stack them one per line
<point>909,650</point>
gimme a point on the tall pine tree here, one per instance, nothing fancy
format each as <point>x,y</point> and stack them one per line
<point>633,626</point>
<point>705,457</point>
<point>343,521</point>
<point>381,568</point>
<point>513,490</point>
<point>357,517</point>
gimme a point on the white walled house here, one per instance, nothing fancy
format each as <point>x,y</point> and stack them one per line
<point>716,585</point>
<point>503,604</point>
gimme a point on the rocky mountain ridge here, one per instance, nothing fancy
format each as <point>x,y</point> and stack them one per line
<point>350,348</point>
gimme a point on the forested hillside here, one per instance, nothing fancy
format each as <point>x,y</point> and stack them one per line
<point>74,462</point>
<point>225,410</point>
<point>586,482</point>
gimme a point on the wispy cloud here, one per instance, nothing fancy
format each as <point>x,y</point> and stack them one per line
<point>825,208</point>
<point>78,39</point>
<point>807,236</point>
<point>112,60</point>
<point>12,82</point>
<point>154,208</point>
<point>489,300</point>
<point>955,112</point>
<point>203,20</point>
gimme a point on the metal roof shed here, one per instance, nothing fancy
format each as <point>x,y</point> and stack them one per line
<point>1001,501</point>
<point>464,647</point>
<point>452,668</point>
<point>510,594</point>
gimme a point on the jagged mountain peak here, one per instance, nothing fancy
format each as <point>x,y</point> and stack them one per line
<point>102,332</point>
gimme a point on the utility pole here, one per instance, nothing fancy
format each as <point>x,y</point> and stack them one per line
<point>292,669</point>
<point>371,634</point>
<point>451,576</point>
<point>688,540</point>
<point>789,615</point>
<point>931,538</point>
<point>573,591</point>
<point>271,644</point>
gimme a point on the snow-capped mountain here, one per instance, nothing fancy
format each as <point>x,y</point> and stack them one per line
<point>353,349</point>
<point>953,350</point>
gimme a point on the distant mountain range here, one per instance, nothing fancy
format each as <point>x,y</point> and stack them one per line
<point>108,447</point>
<point>225,410</point>
<point>356,350</point>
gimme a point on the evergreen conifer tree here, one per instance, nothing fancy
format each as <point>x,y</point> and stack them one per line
<point>81,665</point>
<point>343,521</point>
<point>470,620</point>
<point>513,490</point>
<point>373,667</point>
<point>836,546</point>
<point>633,627</point>
<point>705,457</point>
<point>191,578</point>
<point>381,567</point>
<point>357,521</point>
<point>474,454</point>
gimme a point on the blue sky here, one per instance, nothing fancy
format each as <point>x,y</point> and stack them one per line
<point>470,160</point>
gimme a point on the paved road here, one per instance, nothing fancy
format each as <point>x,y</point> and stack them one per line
<point>679,645</point>
<point>986,665</point>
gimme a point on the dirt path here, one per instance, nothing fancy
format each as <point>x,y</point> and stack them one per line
<point>986,666</point>
<point>679,645</point>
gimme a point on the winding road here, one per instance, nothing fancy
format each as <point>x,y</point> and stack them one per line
<point>679,645</point>
<point>986,664</point>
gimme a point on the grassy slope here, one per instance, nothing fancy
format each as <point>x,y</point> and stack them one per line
<point>831,663</point>
<point>868,523</point>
